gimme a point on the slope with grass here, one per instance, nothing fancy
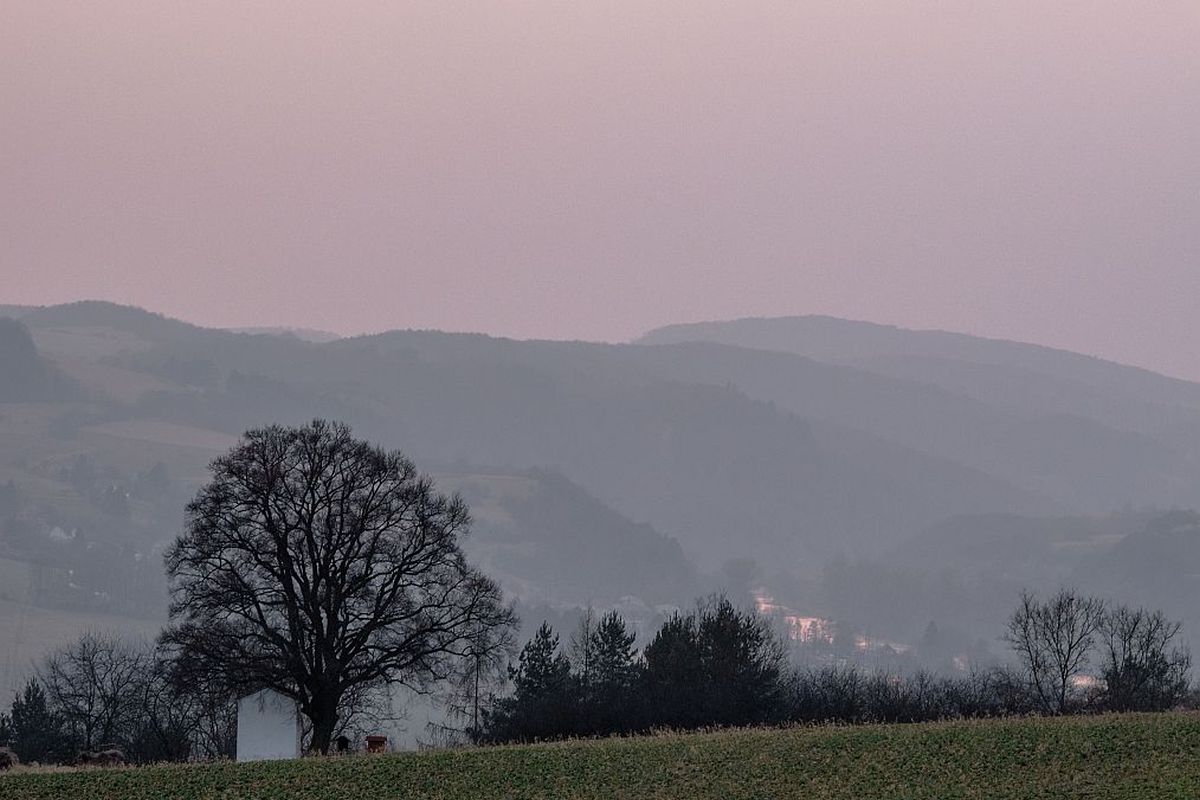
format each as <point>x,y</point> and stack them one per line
<point>1116,757</point>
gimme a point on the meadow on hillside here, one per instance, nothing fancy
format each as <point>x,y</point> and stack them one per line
<point>1132,757</point>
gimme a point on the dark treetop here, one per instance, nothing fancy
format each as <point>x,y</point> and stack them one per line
<point>318,565</point>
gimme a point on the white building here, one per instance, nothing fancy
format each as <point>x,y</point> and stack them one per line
<point>268,727</point>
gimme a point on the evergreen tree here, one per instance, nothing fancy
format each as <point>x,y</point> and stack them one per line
<point>613,677</point>
<point>612,645</point>
<point>37,732</point>
<point>542,671</point>
<point>715,666</point>
<point>672,677</point>
<point>742,663</point>
<point>543,705</point>
<point>6,733</point>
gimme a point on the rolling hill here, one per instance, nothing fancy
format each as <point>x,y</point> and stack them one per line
<point>1091,435</point>
<point>613,473</point>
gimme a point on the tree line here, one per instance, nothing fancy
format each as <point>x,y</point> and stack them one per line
<point>1077,652</point>
<point>716,665</point>
<point>329,570</point>
<point>721,666</point>
<point>105,692</point>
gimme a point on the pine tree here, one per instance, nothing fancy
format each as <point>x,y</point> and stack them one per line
<point>542,671</point>
<point>742,661</point>
<point>672,678</point>
<point>543,704</point>
<point>715,666</point>
<point>614,672</point>
<point>37,732</point>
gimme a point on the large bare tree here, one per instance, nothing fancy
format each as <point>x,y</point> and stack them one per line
<point>1144,666</point>
<point>316,564</point>
<point>94,684</point>
<point>1053,641</point>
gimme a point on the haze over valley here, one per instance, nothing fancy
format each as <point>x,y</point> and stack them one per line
<point>900,486</point>
<point>667,400</point>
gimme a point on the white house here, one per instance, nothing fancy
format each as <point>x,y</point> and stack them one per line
<point>268,727</point>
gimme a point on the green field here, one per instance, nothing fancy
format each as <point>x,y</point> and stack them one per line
<point>1135,757</point>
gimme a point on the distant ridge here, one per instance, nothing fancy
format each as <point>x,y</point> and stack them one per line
<point>101,313</point>
<point>794,443</point>
<point>826,338</point>
<point>303,334</point>
<point>147,324</point>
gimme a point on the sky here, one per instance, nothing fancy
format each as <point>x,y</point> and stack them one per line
<point>591,170</point>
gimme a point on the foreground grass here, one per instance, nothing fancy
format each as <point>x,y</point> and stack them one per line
<point>1141,756</point>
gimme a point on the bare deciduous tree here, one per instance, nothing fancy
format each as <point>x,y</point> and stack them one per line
<point>581,651</point>
<point>1053,641</point>
<point>467,696</point>
<point>94,685</point>
<point>315,564</point>
<point>1143,668</point>
<point>214,728</point>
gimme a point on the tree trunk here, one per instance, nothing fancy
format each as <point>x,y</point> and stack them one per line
<point>324,717</point>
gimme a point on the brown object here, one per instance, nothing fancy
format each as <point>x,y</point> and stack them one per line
<point>376,744</point>
<point>8,759</point>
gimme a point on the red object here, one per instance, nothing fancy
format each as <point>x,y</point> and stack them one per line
<point>376,744</point>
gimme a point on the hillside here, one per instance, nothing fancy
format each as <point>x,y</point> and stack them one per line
<point>952,587</point>
<point>1089,434</point>
<point>84,519</point>
<point>1106,758</point>
<point>27,376</point>
<point>848,341</point>
<point>695,459</point>
<point>882,478</point>
<point>93,486</point>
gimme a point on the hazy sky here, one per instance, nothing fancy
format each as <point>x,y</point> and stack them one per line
<point>1020,168</point>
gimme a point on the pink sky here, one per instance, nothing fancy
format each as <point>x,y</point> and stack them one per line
<point>590,170</point>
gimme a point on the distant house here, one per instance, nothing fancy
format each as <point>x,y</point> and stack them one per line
<point>268,727</point>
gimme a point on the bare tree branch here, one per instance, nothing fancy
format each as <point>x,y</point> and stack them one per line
<point>316,564</point>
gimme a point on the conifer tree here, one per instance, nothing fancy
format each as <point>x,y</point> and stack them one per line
<point>614,672</point>
<point>543,704</point>
<point>37,732</point>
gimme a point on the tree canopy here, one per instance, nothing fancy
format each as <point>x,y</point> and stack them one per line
<point>319,565</point>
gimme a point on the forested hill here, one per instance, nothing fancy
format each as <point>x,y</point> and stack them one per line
<point>731,451</point>
<point>26,375</point>
<point>1091,434</point>
<point>596,472</point>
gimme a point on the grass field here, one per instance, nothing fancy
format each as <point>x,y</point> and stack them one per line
<point>1134,757</point>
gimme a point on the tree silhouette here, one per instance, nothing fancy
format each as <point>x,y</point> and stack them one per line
<point>543,704</point>
<point>36,731</point>
<point>613,676</point>
<point>1143,666</point>
<point>317,565</point>
<point>93,685</point>
<point>1053,640</point>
